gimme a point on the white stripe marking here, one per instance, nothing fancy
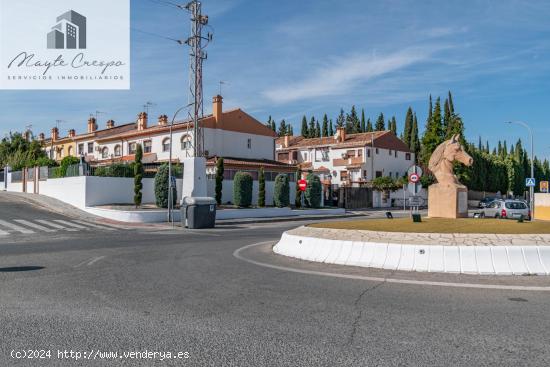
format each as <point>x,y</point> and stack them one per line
<point>3,233</point>
<point>94,260</point>
<point>94,225</point>
<point>34,225</point>
<point>67,223</point>
<point>55,225</point>
<point>237,254</point>
<point>15,227</point>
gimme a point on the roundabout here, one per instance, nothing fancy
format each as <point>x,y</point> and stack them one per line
<point>463,246</point>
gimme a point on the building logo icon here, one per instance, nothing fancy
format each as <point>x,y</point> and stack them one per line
<point>69,33</point>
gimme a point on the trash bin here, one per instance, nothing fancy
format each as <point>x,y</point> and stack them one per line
<point>198,212</point>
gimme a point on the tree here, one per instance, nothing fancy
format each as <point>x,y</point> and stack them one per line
<point>312,133</point>
<point>269,124</point>
<point>290,130</point>
<point>446,117</point>
<point>242,189</point>
<point>161,187</point>
<point>363,122</point>
<point>384,183</point>
<point>330,128</point>
<point>325,131</point>
<point>314,190</point>
<point>433,134</point>
<point>305,130</point>
<point>281,191</point>
<point>353,125</point>
<point>317,129</point>
<point>407,131</point>
<point>18,152</point>
<point>261,190</point>
<point>219,180</point>
<point>415,140</point>
<point>393,125</point>
<point>283,129</point>
<point>380,124</point>
<point>369,128</point>
<point>341,120</point>
<point>138,176</point>
<point>298,198</point>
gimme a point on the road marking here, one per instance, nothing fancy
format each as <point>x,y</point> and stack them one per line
<point>67,223</point>
<point>237,254</point>
<point>3,233</point>
<point>89,262</point>
<point>94,225</point>
<point>15,227</point>
<point>55,225</point>
<point>34,225</point>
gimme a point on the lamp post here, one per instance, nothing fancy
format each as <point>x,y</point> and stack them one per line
<point>170,187</point>
<point>531,188</point>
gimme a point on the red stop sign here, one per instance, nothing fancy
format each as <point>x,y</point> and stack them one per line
<point>302,184</point>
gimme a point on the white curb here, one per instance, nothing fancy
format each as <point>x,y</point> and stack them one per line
<point>496,260</point>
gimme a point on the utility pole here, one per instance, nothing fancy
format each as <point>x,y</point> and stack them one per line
<point>196,56</point>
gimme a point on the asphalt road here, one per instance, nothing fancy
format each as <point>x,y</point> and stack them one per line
<point>176,291</point>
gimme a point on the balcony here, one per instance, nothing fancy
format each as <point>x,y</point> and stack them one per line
<point>347,161</point>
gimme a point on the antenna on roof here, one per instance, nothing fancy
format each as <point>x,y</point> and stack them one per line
<point>221,83</point>
<point>59,122</point>
<point>97,113</point>
<point>147,106</point>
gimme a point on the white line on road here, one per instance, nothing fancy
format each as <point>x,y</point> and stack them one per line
<point>67,223</point>
<point>237,254</point>
<point>55,225</point>
<point>3,233</point>
<point>15,227</point>
<point>34,225</point>
<point>89,262</point>
<point>94,225</point>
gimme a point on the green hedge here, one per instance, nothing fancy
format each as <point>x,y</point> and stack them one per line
<point>281,192</point>
<point>242,189</point>
<point>161,188</point>
<point>313,191</point>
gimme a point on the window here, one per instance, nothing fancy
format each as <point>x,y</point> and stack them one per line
<point>185,142</point>
<point>132,148</point>
<point>365,174</point>
<point>166,145</point>
<point>343,175</point>
<point>390,151</point>
<point>378,174</point>
<point>283,157</point>
<point>305,157</point>
<point>368,153</point>
<point>249,143</point>
<point>395,154</point>
<point>408,156</point>
<point>80,149</point>
<point>90,148</point>
<point>147,146</point>
<point>377,151</point>
<point>360,153</point>
<point>70,151</point>
<point>390,175</point>
<point>350,153</point>
<point>105,153</point>
<point>118,151</point>
<point>294,155</point>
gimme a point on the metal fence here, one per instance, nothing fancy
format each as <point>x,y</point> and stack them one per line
<point>114,170</point>
<point>1,175</point>
<point>17,176</point>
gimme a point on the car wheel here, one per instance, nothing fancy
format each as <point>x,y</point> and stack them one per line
<point>497,216</point>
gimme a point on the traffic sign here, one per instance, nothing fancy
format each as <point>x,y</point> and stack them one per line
<point>415,201</point>
<point>544,186</point>
<point>530,182</point>
<point>302,185</point>
<point>414,169</point>
<point>414,178</point>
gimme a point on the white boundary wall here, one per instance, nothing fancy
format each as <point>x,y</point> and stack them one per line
<point>497,260</point>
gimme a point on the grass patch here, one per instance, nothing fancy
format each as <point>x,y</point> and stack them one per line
<point>442,225</point>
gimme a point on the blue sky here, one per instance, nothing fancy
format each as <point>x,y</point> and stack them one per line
<point>290,58</point>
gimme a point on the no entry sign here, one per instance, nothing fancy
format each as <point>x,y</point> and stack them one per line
<point>302,184</point>
<point>414,177</point>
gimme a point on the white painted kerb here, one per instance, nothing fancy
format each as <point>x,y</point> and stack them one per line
<point>497,260</point>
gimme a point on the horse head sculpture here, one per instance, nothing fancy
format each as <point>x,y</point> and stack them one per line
<point>441,161</point>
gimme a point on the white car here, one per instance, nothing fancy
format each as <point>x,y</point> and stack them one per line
<point>511,209</point>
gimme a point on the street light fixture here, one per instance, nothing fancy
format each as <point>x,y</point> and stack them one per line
<point>531,188</point>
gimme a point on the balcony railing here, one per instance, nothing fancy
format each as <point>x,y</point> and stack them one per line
<point>347,161</point>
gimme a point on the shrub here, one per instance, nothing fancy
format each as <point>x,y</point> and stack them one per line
<point>219,180</point>
<point>161,188</point>
<point>313,191</point>
<point>138,176</point>
<point>65,164</point>
<point>298,198</point>
<point>261,188</point>
<point>384,183</point>
<point>242,189</point>
<point>44,162</point>
<point>281,192</point>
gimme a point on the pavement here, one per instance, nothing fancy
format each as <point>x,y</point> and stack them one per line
<point>208,293</point>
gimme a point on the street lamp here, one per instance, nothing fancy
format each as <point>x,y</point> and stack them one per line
<point>531,188</point>
<point>170,187</point>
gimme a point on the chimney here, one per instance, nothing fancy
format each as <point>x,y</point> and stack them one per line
<point>41,136</point>
<point>286,141</point>
<point>55,134</point>
<point>27,135</point>
<point>340,134</point>
<point>92,126</point>
<point>110,124</point>
<point>142,121</point>
<point>217,108</point>
<point>72,133</point>
<point>163,120</point>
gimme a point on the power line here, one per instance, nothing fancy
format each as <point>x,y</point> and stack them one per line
<point>157,35</point>
<point>167,3</point>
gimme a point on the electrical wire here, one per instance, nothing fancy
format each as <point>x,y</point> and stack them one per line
<point>157,35</point>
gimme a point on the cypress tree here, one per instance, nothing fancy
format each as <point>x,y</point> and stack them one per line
<point>305,130</point>
<point>438,124</point>
<point>393,126</point>
<point>432,134</point>
<point>290,130</point>
<point>447,119</point>
<point>330,128</point>
<point>354,125</point>
<point>283,130</point>
<point>317,129</point>
<point>407,131</point>
<point>268,124</point>
<point>325,131</point>
<point>138,176</point>
<point>487,146</point>
<point>369,128</point>
<point>380,124</point>
<point>219,180</point>
<point>312,132</point>
<point>363,122</point>
<point>261,188</point>
<point>341,120</point>
<point>415,140</point>
<point>451,106</point>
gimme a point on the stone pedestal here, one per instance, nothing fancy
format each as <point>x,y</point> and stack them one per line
<point>447,201</point>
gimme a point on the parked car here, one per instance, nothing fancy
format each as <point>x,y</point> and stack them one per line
<point>486,201</point>
<point>511,209</point>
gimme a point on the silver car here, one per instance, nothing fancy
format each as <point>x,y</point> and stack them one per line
<point>512,209</point>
